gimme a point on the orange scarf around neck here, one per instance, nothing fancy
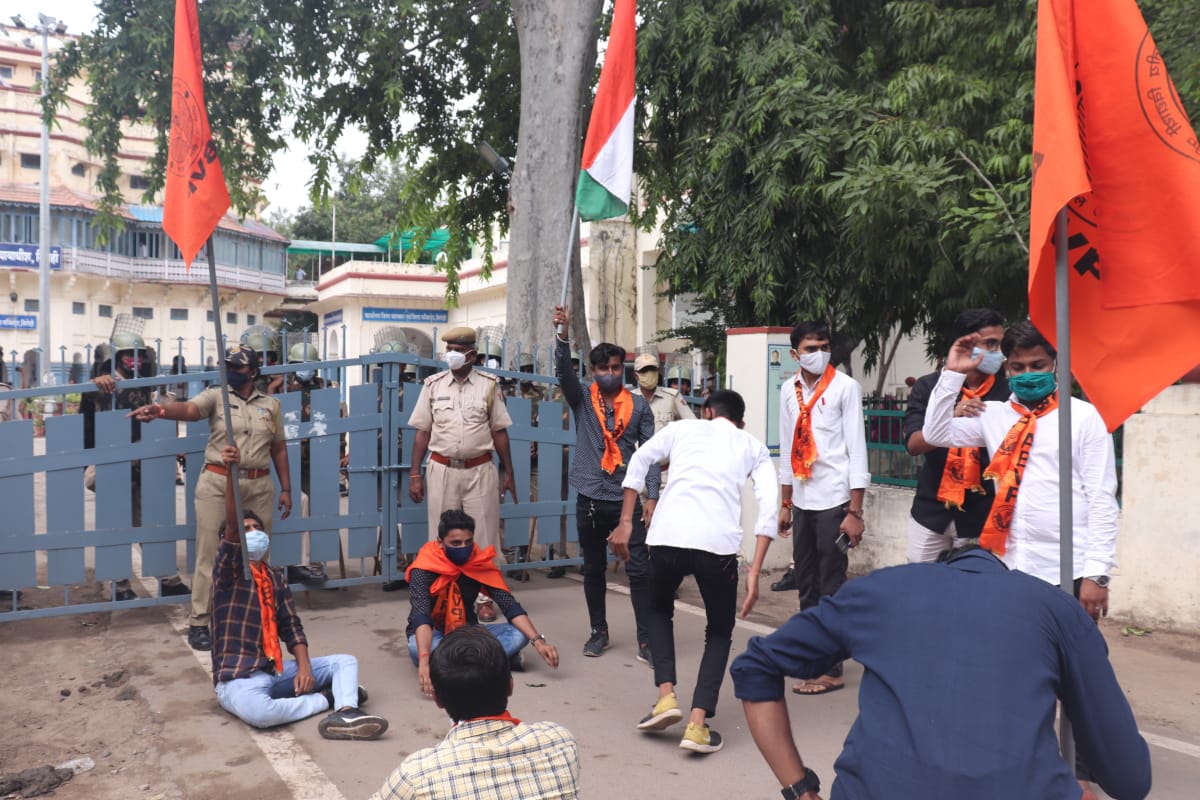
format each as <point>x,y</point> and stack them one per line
<point>963,472</point>
<point>265,587</point>
<point>804,447</point>
<point>449,612</point>
<point>1006,468</point>
<point>622,413</point>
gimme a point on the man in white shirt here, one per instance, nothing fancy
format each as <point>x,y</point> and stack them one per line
<point>823,473</point>
<point>1023,527</point>
<point>696,530</point>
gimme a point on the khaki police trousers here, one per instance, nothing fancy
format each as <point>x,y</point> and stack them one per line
<point>258,495</point>
<point>476,490</point>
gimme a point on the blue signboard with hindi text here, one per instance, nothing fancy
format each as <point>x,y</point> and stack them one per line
<point>426,315</point>
<point>15,254</point>
<point>18,322</point>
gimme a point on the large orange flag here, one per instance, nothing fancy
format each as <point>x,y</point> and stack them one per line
<point>1113,144</point>
<point>195,197</point>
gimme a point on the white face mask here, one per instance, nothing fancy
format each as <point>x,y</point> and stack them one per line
<point>257,543</point>
<point>455,360</point>
<point>814,363</point>
<point>992,360</point>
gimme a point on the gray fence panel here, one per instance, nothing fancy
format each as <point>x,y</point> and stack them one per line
<point>324,470</point>
<point>114,506</point>
<point>158,498</point>
<point>17,568</point>
<point>515,517</point>
<point>64,501</point>
<point>364,477</point>
<point>413,518</point>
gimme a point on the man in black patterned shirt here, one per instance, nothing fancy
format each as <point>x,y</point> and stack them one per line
<point>610,423</point>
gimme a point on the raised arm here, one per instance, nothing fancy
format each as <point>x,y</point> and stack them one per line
<point>568,381</point>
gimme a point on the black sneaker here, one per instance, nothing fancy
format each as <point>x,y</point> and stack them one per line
<point>124,591</point>
<point>787,583</point>
<point>306,576</point>
<point>199,638</point>
<point>362,696</point>
<point>352,724</point>
<point>174,589</point>
<point>396,585</point>
<point>643,655</point>
<point>596,644</point>
<point>557,572</point>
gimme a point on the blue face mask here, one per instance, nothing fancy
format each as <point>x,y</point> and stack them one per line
<point>257,543</point>
<point>1032,388</point>
<point>992,360</point>
<point>305,375</point>
<point>609,382</point>
<point>459,555</point>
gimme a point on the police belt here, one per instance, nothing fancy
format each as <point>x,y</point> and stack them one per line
<point>248,474</point>
<point>461,463</point>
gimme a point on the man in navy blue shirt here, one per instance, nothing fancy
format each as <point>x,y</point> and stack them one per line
<point>963,664</point>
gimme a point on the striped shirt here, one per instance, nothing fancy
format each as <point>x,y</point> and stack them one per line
<point>586,476</point>
<point>490,759</point>
<point>237,620</point>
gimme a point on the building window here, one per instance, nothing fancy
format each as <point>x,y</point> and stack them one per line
<point>138,182</point>
<point>179,314</point>
<point>103,311</point>
<point>78,308</point>
<point>31,306</point>
<point>6,72</point>
<point>251,319</point>
<point>208,316</point>
<point>143,312</point>
<point>37,76</point>
<point>31,161</point>
<point>231,318</point>
<point>79,170</point>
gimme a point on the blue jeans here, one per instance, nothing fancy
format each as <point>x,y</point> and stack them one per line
<point>264,700</point>
<point>511,639</point>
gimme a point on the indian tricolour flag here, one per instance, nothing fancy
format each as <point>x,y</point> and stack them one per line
<point>606,175</point>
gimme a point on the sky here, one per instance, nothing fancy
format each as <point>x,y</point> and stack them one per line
<point>287,185</point>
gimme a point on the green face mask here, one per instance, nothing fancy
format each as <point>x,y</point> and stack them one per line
<point>1032,387</point>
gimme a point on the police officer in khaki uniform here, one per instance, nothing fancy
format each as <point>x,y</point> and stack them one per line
<point>667,404</point>
<point>258,434</point>
<point>460,419</point>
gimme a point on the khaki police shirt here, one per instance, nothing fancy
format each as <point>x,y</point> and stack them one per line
<point>257,424</point>
<point>460,416</point>
<point>667,405</point>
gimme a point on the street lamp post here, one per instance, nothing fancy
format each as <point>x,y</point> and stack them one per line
<point>44,213</point>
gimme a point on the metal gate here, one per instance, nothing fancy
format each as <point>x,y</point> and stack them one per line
<point>57,537</point>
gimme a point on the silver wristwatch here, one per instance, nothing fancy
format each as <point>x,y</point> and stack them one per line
<point>1100,580</point>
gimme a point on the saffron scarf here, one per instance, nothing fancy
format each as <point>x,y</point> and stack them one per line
<point>963,472</point>
<point>804,447</point>
<point>1008,464</point>
<point>449,612</point>
<point>622,414</point>
<point>265,588</point>
<point>505,717</point>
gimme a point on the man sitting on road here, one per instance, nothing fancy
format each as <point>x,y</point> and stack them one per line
<point>249,618</point>
<point>444,580</point>
<point>488,753</point>
<point>953,707</point>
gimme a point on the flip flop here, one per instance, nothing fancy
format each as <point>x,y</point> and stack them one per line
<point>826,688</point>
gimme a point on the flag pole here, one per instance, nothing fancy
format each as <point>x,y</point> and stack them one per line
<point>572,240</point>
<point>237,484</point>
<point>1066,511</point>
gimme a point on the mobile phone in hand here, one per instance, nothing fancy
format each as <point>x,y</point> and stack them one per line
<point>843,542</point>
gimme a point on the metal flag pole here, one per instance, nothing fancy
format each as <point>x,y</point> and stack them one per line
<point>237,484</point>
<point>572,240</point>
<point>1066,510</point>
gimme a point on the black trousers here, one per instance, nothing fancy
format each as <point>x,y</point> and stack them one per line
<point>717,578</point>
<point>820,566</point>
<point>594,521</point>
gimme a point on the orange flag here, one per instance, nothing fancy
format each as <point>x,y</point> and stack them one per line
<point>195,197</point>
<point>1112,143</point>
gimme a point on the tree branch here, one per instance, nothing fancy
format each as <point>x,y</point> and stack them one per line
<point>1004,205</point>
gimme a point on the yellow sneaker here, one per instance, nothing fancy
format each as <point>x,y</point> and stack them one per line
<point>701,739</point>
<point>665,714</point>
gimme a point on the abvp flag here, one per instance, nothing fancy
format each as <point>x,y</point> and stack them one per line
<point>195,198</point>
<point>1112,143</point>
<point>606,175</point>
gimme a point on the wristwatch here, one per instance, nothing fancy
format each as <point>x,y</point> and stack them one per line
<point>809,783</point>
<point>1100,580</point>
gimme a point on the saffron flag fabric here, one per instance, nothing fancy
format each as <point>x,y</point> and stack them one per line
<point>606,176</point>
<point>195,198</point>
<point>1112,143</point>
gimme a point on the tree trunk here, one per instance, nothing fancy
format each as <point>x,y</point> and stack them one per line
<point>557,40</point>
<point>887,356</point>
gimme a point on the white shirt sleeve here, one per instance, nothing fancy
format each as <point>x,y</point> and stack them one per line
<point>942,428</point>
<point>787,431</point>
<point>654,450</point>
<point>766,492</point>
<point>855,433</point>
<point>1098,469</point>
